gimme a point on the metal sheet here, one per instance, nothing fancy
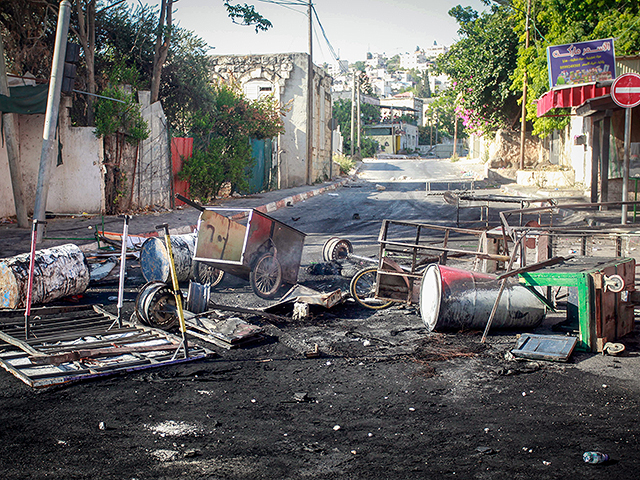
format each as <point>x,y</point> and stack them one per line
<point>545,347</point>
<point>61,331</point>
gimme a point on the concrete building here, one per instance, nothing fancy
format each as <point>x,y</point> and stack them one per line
<point>375,60</point>
<point>415,60</point>
<point>435,50</point>
<point>285,76</point>
<point>403,103</point>
<point>397,137</point>
<point>341,67</point>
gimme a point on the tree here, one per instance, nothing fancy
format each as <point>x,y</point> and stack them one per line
<point>29,30</point>
<point>161,48</point>
<point>393,64</point>
<point>442,113</point>
<point>557,22</point>
<point>222,133</point>
<point>370,114</point>
<point>481,65</point>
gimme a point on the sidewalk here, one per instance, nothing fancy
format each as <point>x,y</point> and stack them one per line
<point>80,229</point>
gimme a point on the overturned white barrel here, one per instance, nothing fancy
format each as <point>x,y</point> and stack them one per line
<point>455,299</point>
<point>58,272</point>
<point>156,267</point>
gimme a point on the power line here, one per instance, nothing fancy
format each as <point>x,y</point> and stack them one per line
<point>324,34</point>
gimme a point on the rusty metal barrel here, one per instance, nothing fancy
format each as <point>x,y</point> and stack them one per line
<point>58,272</point>
<point>456,299</point>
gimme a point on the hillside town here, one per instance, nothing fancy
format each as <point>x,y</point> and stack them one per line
<point>229,252</point>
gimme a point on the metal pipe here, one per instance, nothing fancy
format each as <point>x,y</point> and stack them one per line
<point>123,268</point>
<point>625,164</point>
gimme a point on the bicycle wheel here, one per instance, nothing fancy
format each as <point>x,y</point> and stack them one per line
<point>363,289</point>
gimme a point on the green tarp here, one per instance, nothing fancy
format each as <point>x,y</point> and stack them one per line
<point>26,100</point>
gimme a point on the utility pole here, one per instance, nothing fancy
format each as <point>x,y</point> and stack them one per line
<point>353,115</point>
<point>523,121</point>
<point>310,102</point>
<point>358,123</point>
<point>51,116</point>
<point>13,150</point>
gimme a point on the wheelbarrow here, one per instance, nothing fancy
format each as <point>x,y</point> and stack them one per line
<point>264,251</point>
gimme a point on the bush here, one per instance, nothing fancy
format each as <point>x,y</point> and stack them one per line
<point>222,141</point>
<point>346,163</point>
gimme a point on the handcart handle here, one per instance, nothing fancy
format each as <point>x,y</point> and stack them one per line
<point>191,203</point>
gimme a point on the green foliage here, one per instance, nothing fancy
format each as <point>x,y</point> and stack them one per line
<point>346,163</point>
<point>370,114</point>
<point>368,147</point>
<point>441,112</point>
<point>246,15</point>
<point>222,132</point>
<point>359,66</point>
<point>393,64</point>
<point>481,64</point>
<point>118,117</point>
<point>557,22</point>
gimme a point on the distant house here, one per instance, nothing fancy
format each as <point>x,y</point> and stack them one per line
<point>403,103</point>
<point>394,137</point>
<point>285,77</point>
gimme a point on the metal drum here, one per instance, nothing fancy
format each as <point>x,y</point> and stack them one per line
<point>455,299</point>
<point>154,258</point>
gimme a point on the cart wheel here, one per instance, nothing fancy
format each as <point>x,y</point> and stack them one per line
<point>363,289</point>
<point>207,274</point>
<point>266,276</point>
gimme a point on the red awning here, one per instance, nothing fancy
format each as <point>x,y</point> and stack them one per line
<point>571,96</point>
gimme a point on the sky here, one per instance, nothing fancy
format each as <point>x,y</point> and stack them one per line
<point>353,27</point>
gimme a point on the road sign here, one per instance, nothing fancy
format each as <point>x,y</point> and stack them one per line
<point>625,90</point>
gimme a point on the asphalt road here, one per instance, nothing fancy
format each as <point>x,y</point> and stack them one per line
<point>386,398</point>
<point>385,189</point>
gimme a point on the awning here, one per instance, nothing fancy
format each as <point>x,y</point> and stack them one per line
<point>572,96</point>
<point>595,105</point>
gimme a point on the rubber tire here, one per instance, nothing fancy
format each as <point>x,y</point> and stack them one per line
<point>266,276</point>
<point>362,289</point>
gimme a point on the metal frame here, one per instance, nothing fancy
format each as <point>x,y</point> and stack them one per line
<point>74,330</point>
<point>388,287</point>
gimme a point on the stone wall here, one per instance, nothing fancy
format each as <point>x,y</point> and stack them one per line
<point>504,150</point>
<point>287,73</point>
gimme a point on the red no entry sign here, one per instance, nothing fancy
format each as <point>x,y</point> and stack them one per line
<point>625,90</point>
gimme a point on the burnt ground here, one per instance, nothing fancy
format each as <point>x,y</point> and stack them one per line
<point>386,399</point>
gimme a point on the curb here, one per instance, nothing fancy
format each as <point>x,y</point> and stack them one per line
<point>266,208</point>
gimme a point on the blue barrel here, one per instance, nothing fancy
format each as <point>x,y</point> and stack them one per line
<point>154,258</point>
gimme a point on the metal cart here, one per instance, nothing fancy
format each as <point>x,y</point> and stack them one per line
<point>264,251</point>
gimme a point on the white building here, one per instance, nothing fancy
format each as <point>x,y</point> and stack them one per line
<point>416,60</point>
<point>339,68</point>
<point>375,60</point>
<point>435,50</point>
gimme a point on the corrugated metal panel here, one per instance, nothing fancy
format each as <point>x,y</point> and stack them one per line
<point>569,97</point>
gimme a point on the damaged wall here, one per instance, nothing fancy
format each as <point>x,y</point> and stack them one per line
<point>153,173</point>
<point>285,75</point>
<point>76,186</point>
